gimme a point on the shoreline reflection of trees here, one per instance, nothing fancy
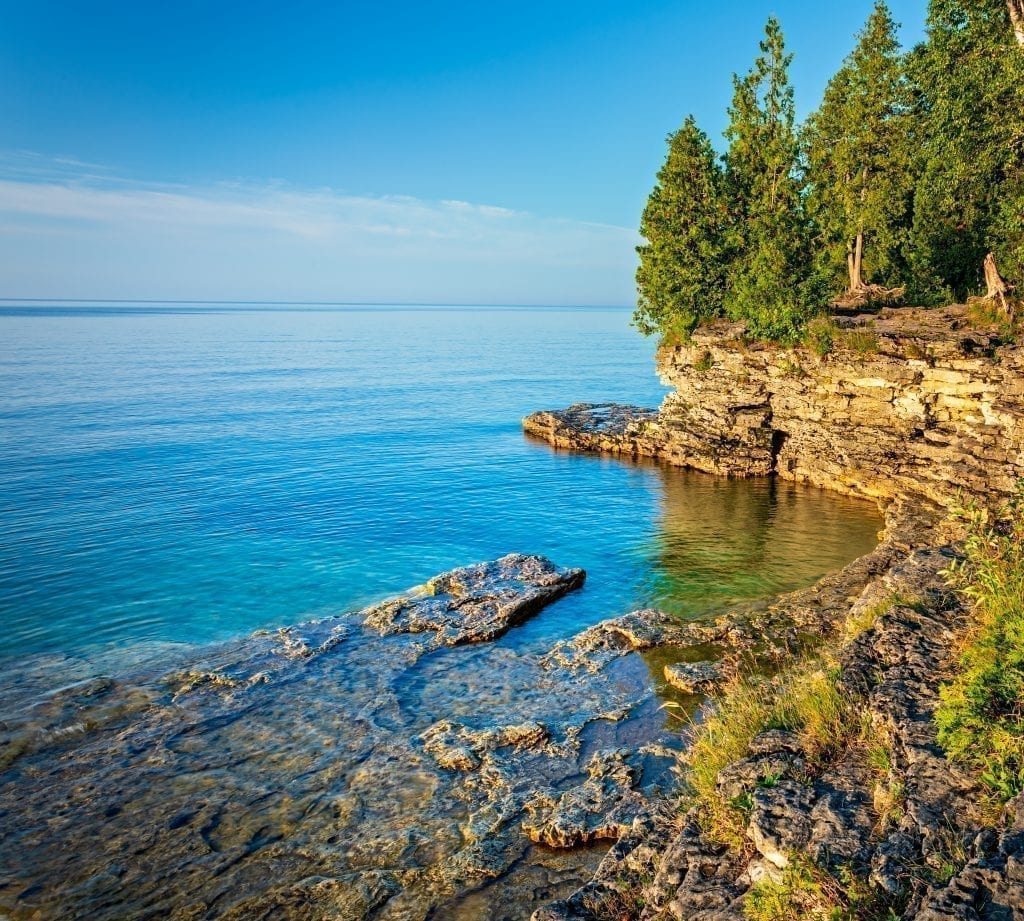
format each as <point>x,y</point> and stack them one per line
<point>721,542</point>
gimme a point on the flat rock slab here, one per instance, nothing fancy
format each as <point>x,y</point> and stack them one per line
<point>591,418</point>
<point>479,603</point>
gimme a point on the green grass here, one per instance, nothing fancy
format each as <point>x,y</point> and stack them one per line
<point>986,313</point>
<point>804,699</point>
<point>981,715</point>
<point>806,892</point>
<point>862,341</point>
<point>820,335</point>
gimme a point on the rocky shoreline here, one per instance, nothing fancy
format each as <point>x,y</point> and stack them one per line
<point>394,763</point>
<point>402,763</point>
<point>919,410</point>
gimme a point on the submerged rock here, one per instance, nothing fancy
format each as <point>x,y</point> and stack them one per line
<point>328,771</point>
<point>594,647</point>
<point>602,807</point>
<point>478,603</point>
<point>693,677</point>
<point>460,748</point>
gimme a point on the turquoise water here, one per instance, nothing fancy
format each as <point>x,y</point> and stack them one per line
<point>191,474</point>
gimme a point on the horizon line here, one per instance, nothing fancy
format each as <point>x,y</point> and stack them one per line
<point>292,303</point>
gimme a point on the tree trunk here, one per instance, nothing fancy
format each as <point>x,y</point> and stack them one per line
<point>998,288</point>
<point>1016,8</point>
<point>856,272</point>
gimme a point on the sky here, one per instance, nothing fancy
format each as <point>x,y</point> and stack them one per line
<point>388,152</point>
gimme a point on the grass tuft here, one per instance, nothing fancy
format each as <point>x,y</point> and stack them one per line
<point>820,335</point>
<point>981,715</point>
<point>806,892</point>
<point>805,700</point>
<point>862,341</point>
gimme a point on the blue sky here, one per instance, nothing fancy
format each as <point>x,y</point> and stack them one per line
<point>449,152</point>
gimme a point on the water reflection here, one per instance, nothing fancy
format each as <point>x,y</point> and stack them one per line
<point>723,542</point>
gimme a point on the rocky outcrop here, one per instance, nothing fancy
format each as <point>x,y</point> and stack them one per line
<point>910,401</point>
<point>598,645</point>
<point>914,409</point>
<point>478,603</point>
<point>693,677</point>
<point>901,829</point>
<point>603,806</point>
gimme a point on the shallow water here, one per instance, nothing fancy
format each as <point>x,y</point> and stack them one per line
<point>176,478</point>
<point>192,474</point>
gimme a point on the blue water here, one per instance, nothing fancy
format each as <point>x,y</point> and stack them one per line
<point>189,474</point>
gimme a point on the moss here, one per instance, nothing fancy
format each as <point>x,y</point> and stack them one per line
<point>865,618</point>
<point>703,364</point>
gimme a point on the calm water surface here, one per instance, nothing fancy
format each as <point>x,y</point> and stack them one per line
<point>191,474</point>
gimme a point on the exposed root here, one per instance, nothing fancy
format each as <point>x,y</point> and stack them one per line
<point>867,296</point>
<point>998,290</point>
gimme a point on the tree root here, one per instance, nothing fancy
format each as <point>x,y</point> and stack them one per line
<point>869,296</point>
<point>998,290</point>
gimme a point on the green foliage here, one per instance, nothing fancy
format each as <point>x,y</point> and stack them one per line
<point>915,162</point>
<point>770,285</point>
<point>820,335</point>
<point>981,715</point>
<point>680,280</point>
<point>858,154</point>
<point>969,77</point>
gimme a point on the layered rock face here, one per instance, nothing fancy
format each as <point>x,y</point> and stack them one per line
<point>909,401</point>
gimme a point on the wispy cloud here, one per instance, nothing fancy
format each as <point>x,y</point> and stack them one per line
<point>76,230</point>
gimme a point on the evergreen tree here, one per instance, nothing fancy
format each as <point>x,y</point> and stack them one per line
<point>970,196</point>
<point>858,163</point>
<point>680,279</point>
<point>769,282</point>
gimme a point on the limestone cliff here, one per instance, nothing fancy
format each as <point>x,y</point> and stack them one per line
<point>910,401</point>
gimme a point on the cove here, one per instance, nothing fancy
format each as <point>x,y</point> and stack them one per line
<point>181,484</point>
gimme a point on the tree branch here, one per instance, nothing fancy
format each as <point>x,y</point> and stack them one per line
<point>1016,8</point>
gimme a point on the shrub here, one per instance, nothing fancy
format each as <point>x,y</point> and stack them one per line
<point>820,335</point>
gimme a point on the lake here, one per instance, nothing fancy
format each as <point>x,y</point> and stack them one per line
<point>173,479</point>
